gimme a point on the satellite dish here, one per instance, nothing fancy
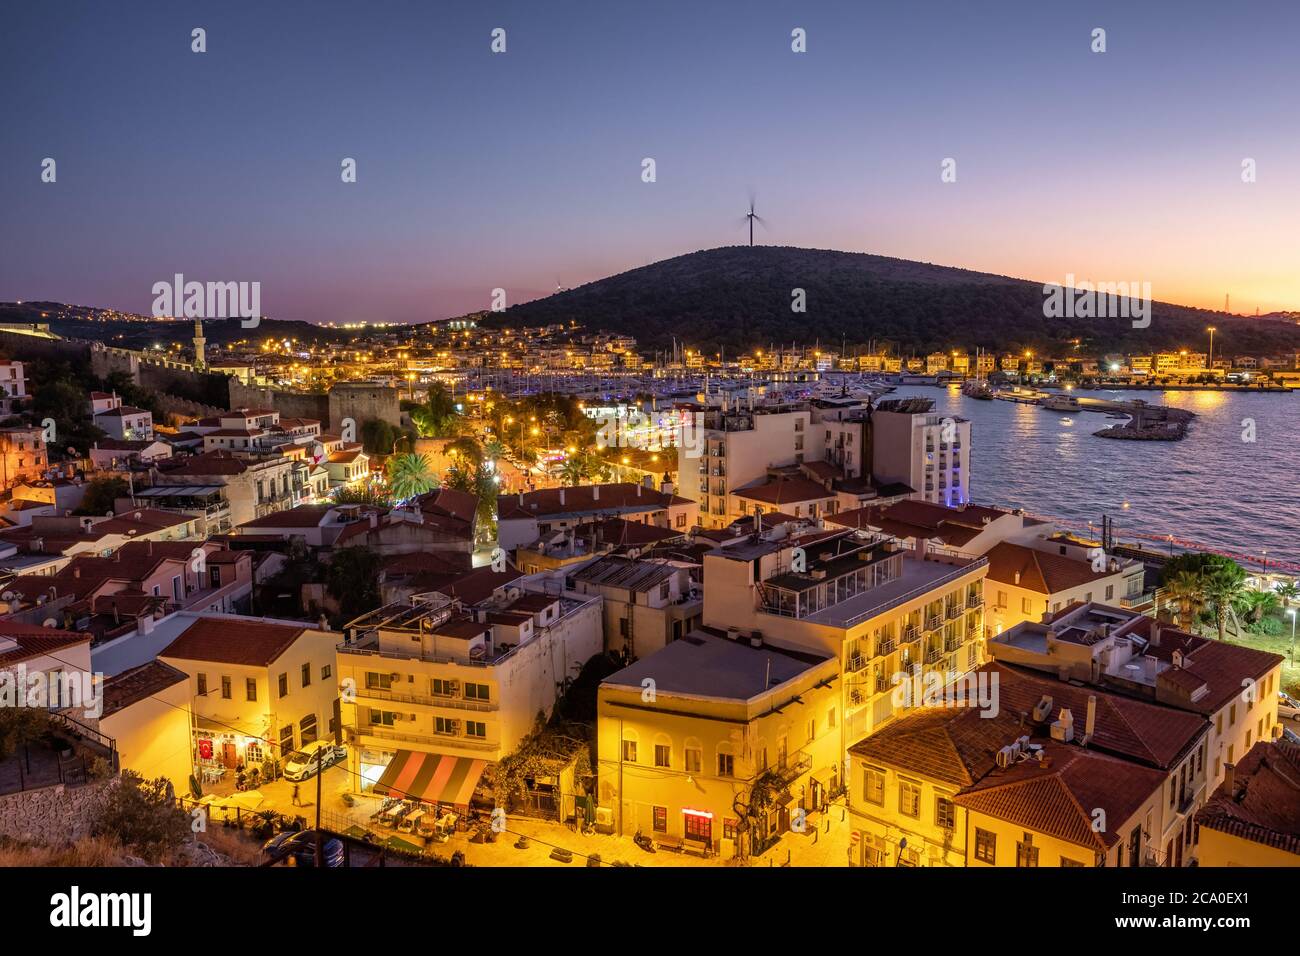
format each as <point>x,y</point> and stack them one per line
<point>50,622</point>
<point>108,514</point>
<point>7,596</point>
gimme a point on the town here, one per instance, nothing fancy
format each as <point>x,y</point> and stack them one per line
<point>530,597</point>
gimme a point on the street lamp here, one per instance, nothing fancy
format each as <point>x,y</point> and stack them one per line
<point>1209,361</point>
<point>1291,611</point>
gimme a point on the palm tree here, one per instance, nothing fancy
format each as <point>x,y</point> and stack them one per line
<point>493,449</point>
<point>1288,592</point>
<point>1187,590</point>
<point>410,474</point>
<point>574,470</point>
<point>1223,586</point>
<point>1253,605</point>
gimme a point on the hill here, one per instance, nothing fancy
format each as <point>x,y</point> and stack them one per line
<point>739,297</point>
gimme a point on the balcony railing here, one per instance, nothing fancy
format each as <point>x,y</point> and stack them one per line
<point>954,611</point>
<point>932,655</point>
<point>974,601</point>
<point>911,632</point>
<point>429,700</point>
<point>790,768</point>
<point>885,647</point>
<point>431,738</point>
<point>951,644</point>
<point>934,623</point>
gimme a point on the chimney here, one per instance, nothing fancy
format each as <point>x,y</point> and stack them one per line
<point>1017,577</point>
<point>521,499</point>
<point>1155,633</point>
<point>1090,725</point>
<point>561,497</point>
<point>1230,780</point>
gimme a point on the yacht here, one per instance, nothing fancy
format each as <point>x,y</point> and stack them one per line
<point>1061,402</point>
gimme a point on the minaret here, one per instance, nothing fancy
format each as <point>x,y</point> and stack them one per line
<point>198,343</point>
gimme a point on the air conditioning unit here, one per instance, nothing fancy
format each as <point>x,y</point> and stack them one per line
<point>604,816</point>
<point>394,676</point>
<point>410,716</point>
<point>1006,757</point>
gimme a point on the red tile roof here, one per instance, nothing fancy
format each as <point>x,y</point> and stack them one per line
<point>1039,571</point>
<point>785,491</point>
<point>134,685</point>
<point>34,642</point>
<point>231,640</point>
<point>951,744</point>
<point>1263,803</point>
<point>582,499</point>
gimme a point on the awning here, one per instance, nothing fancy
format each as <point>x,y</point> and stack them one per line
<point>823,776</point>
<point>433,778</point>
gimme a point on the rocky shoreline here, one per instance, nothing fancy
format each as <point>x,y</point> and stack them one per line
<point>1157,431</point>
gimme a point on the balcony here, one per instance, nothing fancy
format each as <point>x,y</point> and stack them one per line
<point>790,768</point>
<point>911,632</point>
<point>885,648</point>
<point>855,663</point>
<point>425,700</point>
<point>974,601</point>
<point>954,611</point>
<point>932,655</point>
<point>951,644</point>
<point>934,622</point>
<point>430,739</point>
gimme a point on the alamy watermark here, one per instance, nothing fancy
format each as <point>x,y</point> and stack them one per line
<point>1082,299</point>
<point>209,300</point>
<point>52,690</point>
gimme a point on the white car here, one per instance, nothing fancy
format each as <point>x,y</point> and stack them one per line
<point>316,756</point>
<point>1287,706</point>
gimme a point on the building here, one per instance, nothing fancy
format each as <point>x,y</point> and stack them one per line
<point>1025,583</point>
<point>1253,818</point>
<point>147,712</point>
<point>23,455</point>
<point>880,611</point>
<point>912,445</point>
<point>525,518</point>
<point>439,678</point>
<point>647,603</point>
<point>13,386</point>
<point>1234,688</point>
<point>114,453</point>
<point>717,744</point>
<point>259,688</point>
<point>225,489</point>
<point>123,422</point>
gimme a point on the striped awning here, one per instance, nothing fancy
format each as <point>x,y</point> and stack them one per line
<point>433,778</point>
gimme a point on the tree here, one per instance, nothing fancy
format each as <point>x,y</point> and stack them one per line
<point>353,580</point>
<point>101,495</point>
<point>19,726</point>
<point>437,417</point>
<point>378,437</point>
<point>464,449</point>
<point>1187,590</point>
<point>364,495</point>
<point>410,475</point>
<point>1254,605</point>
<point>143,815</point>
<point>1224,585</point>
<point>1288,592</point>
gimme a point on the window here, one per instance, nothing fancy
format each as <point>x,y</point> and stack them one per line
<point>445,725</point>
<point>202,680</point>
<point>306,675</point>
<point>726,765</point>
<point>986,846</point>
<point>1066,861</point>
<point>476,691</point>
<point>694,759</point>
<point>382,718</point>
<point>681,521</point>
<point>660,820</point>
<point>307,729</point>
<point>729,828</point>
<point>1025,606</point>
<point>373,681</point>
<point>325,672</point>
<point>909,798</point>
<point>286,737</point>
<point>873,786</point>
<point>444,688</point>
<point>250,688</point>
<point>943,813</point>
<point>1026,852</point>
<point>476,728</point>
<point>1110,591</point>
<point>226,692</point>
<point>283,683</point>
<point>629,751</point>
<point>663,753</point>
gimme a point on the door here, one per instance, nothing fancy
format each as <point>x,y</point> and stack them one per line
<point>229,755</point>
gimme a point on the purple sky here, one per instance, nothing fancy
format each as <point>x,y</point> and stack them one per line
<point>522,170</point>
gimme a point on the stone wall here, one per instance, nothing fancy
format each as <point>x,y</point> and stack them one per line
<point>289,404</point>
<point>53,815</point>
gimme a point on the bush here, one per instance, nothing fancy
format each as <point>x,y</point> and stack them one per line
<point>143,815</point>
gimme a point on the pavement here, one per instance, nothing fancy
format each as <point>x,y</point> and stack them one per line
<point>824,844</point>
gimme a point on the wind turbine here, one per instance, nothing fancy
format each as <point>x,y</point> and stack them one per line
<point>753,217</point>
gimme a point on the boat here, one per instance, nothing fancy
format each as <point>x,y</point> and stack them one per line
<point>1061,402</point>
<point>977,388</point>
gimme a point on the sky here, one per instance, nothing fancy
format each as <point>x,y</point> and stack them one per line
<point>522,170</point>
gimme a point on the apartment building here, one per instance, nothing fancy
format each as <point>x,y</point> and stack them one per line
<point>736,448</point>
<point>913,445</point>
<point>123,422</point>
<point>1025,583</point>
<point>259,688</point>
<point>226,489</point>
<point>528,517</point>
<point>1234,688</point>
<point>885,614</point>
<point>717,744</point>
<point>13,385</point>
<point>435,679</point>
<point>648,604</point>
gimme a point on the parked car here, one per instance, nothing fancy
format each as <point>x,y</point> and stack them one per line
<point>317,755</point>
<point>1287,706</point>
<point>1290,736</point>
<point>301,845</point>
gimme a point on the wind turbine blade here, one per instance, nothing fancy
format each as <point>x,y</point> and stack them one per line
<point>761,221</point>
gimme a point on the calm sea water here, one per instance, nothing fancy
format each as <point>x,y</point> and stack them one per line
<point>1213,487</point>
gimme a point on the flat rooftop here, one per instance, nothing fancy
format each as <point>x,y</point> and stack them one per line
<point>703,665</point>
<point>916,579</point>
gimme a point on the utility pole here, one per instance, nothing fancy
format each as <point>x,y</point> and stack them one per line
<point>320,773</point>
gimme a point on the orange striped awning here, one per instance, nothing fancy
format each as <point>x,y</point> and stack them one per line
<point>433,778</point>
